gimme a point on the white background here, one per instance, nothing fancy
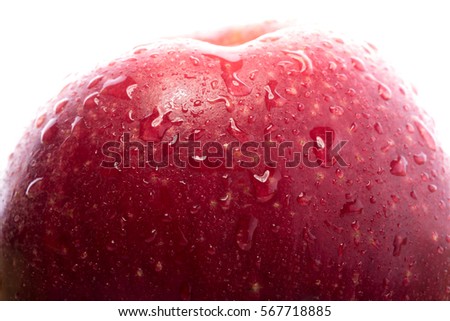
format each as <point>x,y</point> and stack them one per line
<point>41,42</point>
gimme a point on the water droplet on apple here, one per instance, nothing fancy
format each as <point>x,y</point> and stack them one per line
<point>34,187</point>
<point>237,132</point>
<point>339,173</point>
<point>91,101</point>
<point>352,207</point>
<point>420,158</point>
<point>195,61</point>
<point>230,64</point>
<point>222,99</point>
<point>384,91</point>
<point>432,188</point>
<point>153,127</point>
<point>303,199</point>
<point>158,266</point>
<point>378,128</point>
<point>225,201</point>
<point>211,249</point>
<point>263,178</point>
<point>386,147</point>
<point>336,110</point>
<point>273,97</point>
<point>246,228</point>
<point>440,249</point>
<point>266,185</point>
<point>395,198</point>
<point>399,241</point>
<point>120,87</point>
<point>40,121</point>
<point>166,218</point>
<point>304,62</point>
<point>151,237</point>
<point>214,84</point>
<point>398,166</point>
<point>75,122</point>
<point>425,134</point>
<point>49,131</point>
<point>358,64</point>
<point>60,105</point>
<point>94,82</point>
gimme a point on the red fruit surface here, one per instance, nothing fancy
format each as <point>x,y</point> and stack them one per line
<point>377,229</point>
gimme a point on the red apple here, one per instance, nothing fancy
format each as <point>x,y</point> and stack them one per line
<point>91,210</point>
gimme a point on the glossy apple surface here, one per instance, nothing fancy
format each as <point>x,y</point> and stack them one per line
<point>371,223</point>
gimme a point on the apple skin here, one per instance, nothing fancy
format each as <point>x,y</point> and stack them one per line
<point>377,229</point>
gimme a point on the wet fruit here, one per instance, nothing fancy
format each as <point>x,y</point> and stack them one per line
<point>320,179</point>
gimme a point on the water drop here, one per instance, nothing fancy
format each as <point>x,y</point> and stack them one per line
<point>91,101</point>
<point>40,121</point>
<point>336,110</point>
<point>60,105</point>
<point>75,122</point>
<point>269,129</point>
<point>214,84</point>
<point>398,166</point>
<point>384,91</point>
<point>303,199</point>
<point>263,178</point>
<point>395,198</point>
<point>434,236</point>
<point>34,187</point>
<point>94,82</point>
<point>158,266</point>
<point>130,89</point>
<point>305,63</point>
<point>266,185</point>
<point>420,158</point>
<point>120,87</point>
<point>399,241</point>
<point>378,128</point>
<point>351,92</point>
<point>432,188</point>
<point>166,218</point>
<point>352,207</point>
<point>273,97</point>
<point>195,61</point>
<point>387,146</point>
<point>237,132</point>
<point>211,249</point>
<point>49,131</point>
<point>425,134</point>
<point>230,65</point>
<point>222,99</point>
<point>151,237</point>
<point>339,173</point>
<point>246,228</point>
<point>225,201</point>
<point>358,64</point>
<point>153,127</point>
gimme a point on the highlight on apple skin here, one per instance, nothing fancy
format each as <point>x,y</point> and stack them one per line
<point>293,165</point>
